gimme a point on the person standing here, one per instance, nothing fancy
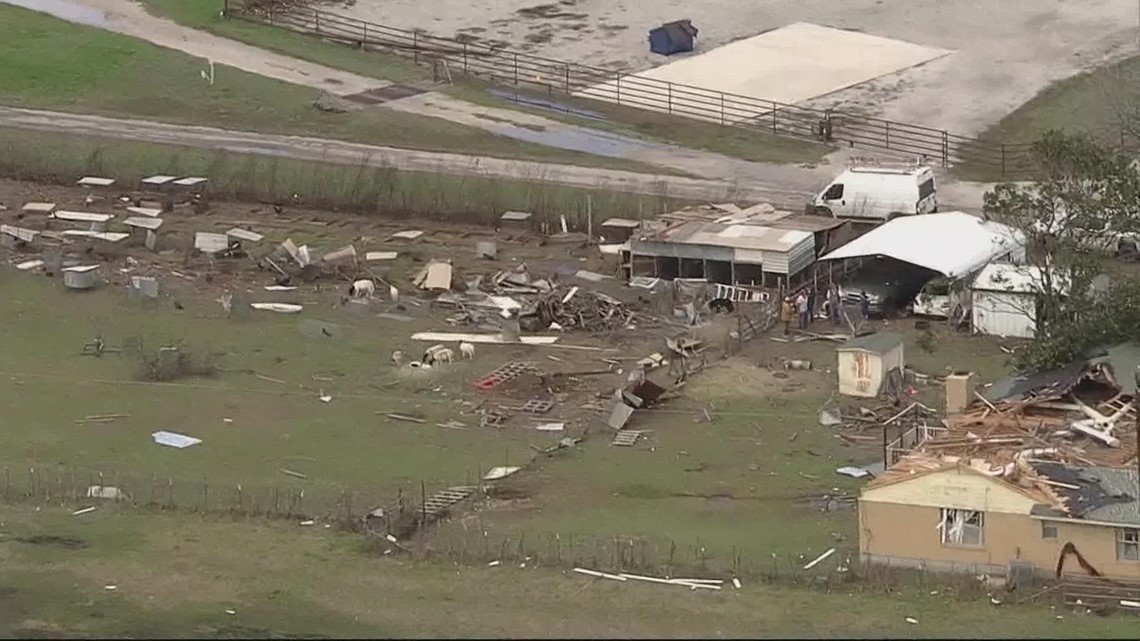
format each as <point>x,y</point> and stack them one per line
<point>864,305</point>
<point>787,313</point>
<point>802,308</point>
<point>811,300</point>
<point>833,304</point>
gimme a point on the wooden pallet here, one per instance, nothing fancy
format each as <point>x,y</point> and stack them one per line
<point>503,374</point>
<point>438,504</point>
<point>627,438</point>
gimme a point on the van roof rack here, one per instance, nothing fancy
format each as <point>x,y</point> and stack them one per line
<point>869,163</point>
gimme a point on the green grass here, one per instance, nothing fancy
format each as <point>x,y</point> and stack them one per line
<point>733,141</point>
<point>178,576</point>
<point>272,425</point>
<point>748,484</point>
<point>1092,102</point>
<point>61,158</point>
<point>53,64</point>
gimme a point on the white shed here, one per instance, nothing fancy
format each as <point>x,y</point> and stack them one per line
<point>866,361</point>
<point>1005,300</point>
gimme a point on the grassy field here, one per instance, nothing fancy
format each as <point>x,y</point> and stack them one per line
<point>741,143</point>
<point>53,64</point>
<point>750,483</point>
<point>1096,102</point>
<point>179,576</point>
<point>251,427</point>
<point>62,158</point>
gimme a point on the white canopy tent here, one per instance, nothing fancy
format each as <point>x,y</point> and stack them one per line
<point>952,243</point>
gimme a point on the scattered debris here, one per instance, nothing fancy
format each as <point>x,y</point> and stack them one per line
<point>410,234</point>
<point>497,473</point>
<point>600,575</point>
<point>380,255</point>
<point>86,510</point>
<point>174,439</point>
<point>405,417</point>
<point>627,438</point>
<point>819,558</point>
<point>292,473</point>
<point>550,427</point>
<point>281,308</point>
<point>853,472</point>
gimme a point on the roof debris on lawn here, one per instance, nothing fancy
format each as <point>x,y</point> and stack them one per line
<point>174,439</point>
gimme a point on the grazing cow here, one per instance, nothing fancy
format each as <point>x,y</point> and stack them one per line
<point>397,358</point>
<point>444,355</point>
<point>467,350</point>
<point>393,293</point>
<point>362,288</point>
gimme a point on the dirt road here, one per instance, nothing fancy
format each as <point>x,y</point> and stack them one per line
<point>340,152</point>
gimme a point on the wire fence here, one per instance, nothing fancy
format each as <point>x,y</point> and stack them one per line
<point>502,66</point>
<point>80,489</point>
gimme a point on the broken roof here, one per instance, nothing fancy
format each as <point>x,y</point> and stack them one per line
<point>1104,494</point>
<point>951,243</point>
<point>879,342</point>
<point>1122,361</point>
<point>737,236</point>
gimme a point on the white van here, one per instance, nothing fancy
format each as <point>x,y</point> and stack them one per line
<point>878,191</point>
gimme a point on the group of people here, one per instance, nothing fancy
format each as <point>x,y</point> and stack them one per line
<point>800,307</point>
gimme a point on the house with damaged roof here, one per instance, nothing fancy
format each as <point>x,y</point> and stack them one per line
<point>964,515</point>
<point>1039,476</point>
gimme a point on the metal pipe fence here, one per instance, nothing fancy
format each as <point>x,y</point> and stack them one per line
<point>502,66</point>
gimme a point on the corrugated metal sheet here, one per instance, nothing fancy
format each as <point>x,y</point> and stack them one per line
<point>1011,314</point>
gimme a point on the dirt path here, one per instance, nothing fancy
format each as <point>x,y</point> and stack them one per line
<point>341,152</point>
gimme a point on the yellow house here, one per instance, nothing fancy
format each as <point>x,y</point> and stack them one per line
<point>950,516</point>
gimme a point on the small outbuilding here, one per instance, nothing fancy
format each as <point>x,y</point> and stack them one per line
<point>866,363</point>
<point>1005,300</point>
<point>673,37</point>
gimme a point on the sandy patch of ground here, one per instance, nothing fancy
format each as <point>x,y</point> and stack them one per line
<point>1005,52</point>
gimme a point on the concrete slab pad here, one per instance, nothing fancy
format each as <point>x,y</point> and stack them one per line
<point>786,65</point>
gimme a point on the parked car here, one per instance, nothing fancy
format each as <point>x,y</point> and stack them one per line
<point>878,192</point>
<point>889,284</point>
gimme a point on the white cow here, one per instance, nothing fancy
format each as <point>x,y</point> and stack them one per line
<point>393,293</point>
<point>362,288</point>
<point>445,355</point>
<point>467,350</point>
<point>397,358</point>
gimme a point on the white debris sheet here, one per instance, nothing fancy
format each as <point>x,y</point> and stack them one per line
<point>174,439</point>
<point>496,339</point>
<point>280,308</point>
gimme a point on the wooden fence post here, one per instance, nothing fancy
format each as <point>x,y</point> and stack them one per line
<point>888,134</point>
<point>945,148</point>
<point>465,58</point>
<point>317,22</point>
<point>722,109</point>
<point>618,94</point>
<point>516,69</point>
<point>669,96</point>
<point>416,47</point>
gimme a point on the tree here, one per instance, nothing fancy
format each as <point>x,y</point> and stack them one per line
<point>1087,199</point>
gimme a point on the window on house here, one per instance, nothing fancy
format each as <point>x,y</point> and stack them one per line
<point>1127,545</point>
<point>1048,530</point>
<point>962,528</point>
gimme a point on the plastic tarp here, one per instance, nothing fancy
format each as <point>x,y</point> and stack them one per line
<point>951,243</point>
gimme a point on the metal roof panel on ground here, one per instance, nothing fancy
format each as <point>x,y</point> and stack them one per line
<point>879,342</point>
<point>951,243</point>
